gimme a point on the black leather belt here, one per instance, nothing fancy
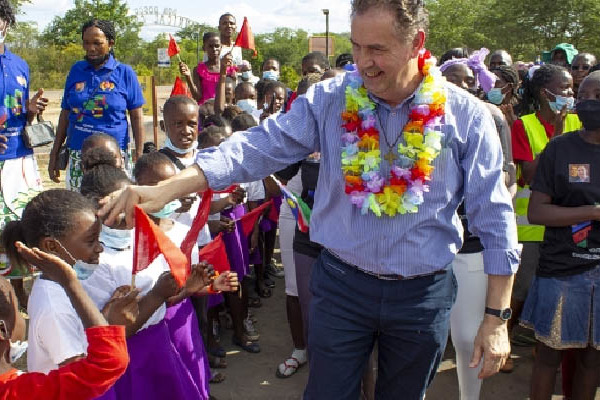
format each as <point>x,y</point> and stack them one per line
<point>386,277</point>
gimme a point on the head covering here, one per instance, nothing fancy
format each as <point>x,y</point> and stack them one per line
<point>569,50</point>
<point>483,77</point>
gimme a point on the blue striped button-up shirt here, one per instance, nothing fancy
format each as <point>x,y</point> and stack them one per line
<point>469,166</point>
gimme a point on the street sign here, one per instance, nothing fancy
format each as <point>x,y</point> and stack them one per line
<point>163,58</point>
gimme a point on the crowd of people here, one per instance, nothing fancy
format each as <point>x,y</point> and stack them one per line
<point>412,197</point>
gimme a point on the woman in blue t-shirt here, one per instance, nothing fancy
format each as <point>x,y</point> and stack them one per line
<point>19,177</point>
<point>98,93</point>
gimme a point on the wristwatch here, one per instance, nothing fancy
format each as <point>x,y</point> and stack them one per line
<point>504,314</point>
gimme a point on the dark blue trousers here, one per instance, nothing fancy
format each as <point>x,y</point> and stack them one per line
<point>350,310</point>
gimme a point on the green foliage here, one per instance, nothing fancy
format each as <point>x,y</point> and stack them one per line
<point>524,29</point>
<point>67,29</point>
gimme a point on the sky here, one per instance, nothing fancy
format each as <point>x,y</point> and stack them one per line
<point>263,16</point>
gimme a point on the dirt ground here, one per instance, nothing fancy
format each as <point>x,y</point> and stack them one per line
<point>252,376</point>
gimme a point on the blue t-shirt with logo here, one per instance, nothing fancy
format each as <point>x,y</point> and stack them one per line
<point>14,95</point>
<point>98,101</point>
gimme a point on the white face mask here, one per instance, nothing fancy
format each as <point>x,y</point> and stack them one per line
<point>169,145</point>
<point>17,349</point>
<point>247,105</point>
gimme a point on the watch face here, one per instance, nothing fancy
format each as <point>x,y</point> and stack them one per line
<point>506,314</point>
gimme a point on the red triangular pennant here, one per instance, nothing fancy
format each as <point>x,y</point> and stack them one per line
<point>215,253</point>
<point>245,39</point>
<point>180,88</point>
<point>200,219</point>
<point>249,220</point>
<point>173,46</point>
<point>150,241</point>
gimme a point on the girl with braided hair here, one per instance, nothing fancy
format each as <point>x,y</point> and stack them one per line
<point>99,93</point>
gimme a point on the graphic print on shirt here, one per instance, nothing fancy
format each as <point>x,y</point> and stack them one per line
<point>95,106</point>
<point>14,104</point>
<point>581,232</point>
<point>579,173</point>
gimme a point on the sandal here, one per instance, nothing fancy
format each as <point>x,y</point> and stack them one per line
<point>288,368</point>
<point>265,292</point>
<point>216,377</point>
<point>246,345</point>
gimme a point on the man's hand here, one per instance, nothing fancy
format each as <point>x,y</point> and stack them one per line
<point>148,198</point>
<point>491,344</point>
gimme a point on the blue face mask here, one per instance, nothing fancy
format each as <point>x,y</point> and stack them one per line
<point>247,105</point>
<point>246,75</point>
<point>560,101</point>
<point>118,239</point>
<point>82,269</point>
<point>167,210</point>
<point>169,145</point>
<point>495,96</point>
<point>270,75</point>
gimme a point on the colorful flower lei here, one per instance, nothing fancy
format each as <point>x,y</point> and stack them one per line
<point>410,174</point>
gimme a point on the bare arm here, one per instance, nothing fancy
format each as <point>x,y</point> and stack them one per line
<point>226,62</point>
<point>541,211</point>
<point>137,126</point>
<point>61,135</point>
<point>192,79</point>
<point>528,169</point>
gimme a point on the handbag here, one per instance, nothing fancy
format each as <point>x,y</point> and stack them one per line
<point>40,134</point>
<point>63,158</point>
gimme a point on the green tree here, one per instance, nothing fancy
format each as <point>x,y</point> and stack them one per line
<point>67,29</point>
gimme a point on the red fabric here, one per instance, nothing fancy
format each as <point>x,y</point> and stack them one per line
<point>215,254</point>
<point>293,97</point>
<point>173,47</point>
<point>87,378</point>
<point>200,219</point>
<point>180,88</point>
<point>150,241</point>
<point>249,220</point>
<point>520,144</point>
<point>245,39</point>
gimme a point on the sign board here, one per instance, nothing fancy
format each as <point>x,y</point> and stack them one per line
<point>146,84</point>
<point>317,43</point>
<point>163,58</point>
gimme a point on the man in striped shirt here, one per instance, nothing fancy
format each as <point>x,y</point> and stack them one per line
<point>384,280</point>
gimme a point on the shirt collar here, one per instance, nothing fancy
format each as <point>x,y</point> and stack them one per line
<point>7,53</point>
<point>110,64</point>
<point>384,104</point>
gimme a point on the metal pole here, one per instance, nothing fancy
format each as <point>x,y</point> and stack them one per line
<point>326,33</point>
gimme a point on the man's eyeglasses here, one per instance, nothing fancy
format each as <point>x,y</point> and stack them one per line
<point>581,67</point>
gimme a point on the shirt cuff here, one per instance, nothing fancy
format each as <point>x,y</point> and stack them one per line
<point>502,262</point>
<point>214,166</point>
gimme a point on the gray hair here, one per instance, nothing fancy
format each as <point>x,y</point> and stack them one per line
<point>410,15</point>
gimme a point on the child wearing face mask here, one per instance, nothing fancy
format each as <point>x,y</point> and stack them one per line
<point>245,97</point>
<point>203,80</point>
<point>84,379</point>
<point>62,223</point>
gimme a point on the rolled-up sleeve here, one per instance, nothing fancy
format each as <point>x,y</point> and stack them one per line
<point>487,201</point>
<point>273,145</point>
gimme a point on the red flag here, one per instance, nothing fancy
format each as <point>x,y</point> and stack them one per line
<point>245,39</point>
<point>215,253</point>
<point>150,241</point>
<point>199,221</point>
<point>180,88</point>
<point>173,47</point>
<point>249,220</point>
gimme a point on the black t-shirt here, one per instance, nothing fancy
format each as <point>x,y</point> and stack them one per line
<point>310,176</point>
<point>471,243</point>
<point>569,172</point>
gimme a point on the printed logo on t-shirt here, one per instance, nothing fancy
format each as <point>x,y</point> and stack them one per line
<point>21,80</point>
<point>79,86</point>
<point>107,86</point>
<point>581,232</point>
<point>94,106</point>
<point>579,173</point>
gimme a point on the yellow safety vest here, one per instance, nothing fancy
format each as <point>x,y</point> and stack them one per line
<point>536,135</point>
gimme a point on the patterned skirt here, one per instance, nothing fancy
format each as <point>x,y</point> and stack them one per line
<point>75,173</point>
<point>20,182</point>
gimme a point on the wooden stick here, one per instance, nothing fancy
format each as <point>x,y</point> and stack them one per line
<point>132,281</point>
